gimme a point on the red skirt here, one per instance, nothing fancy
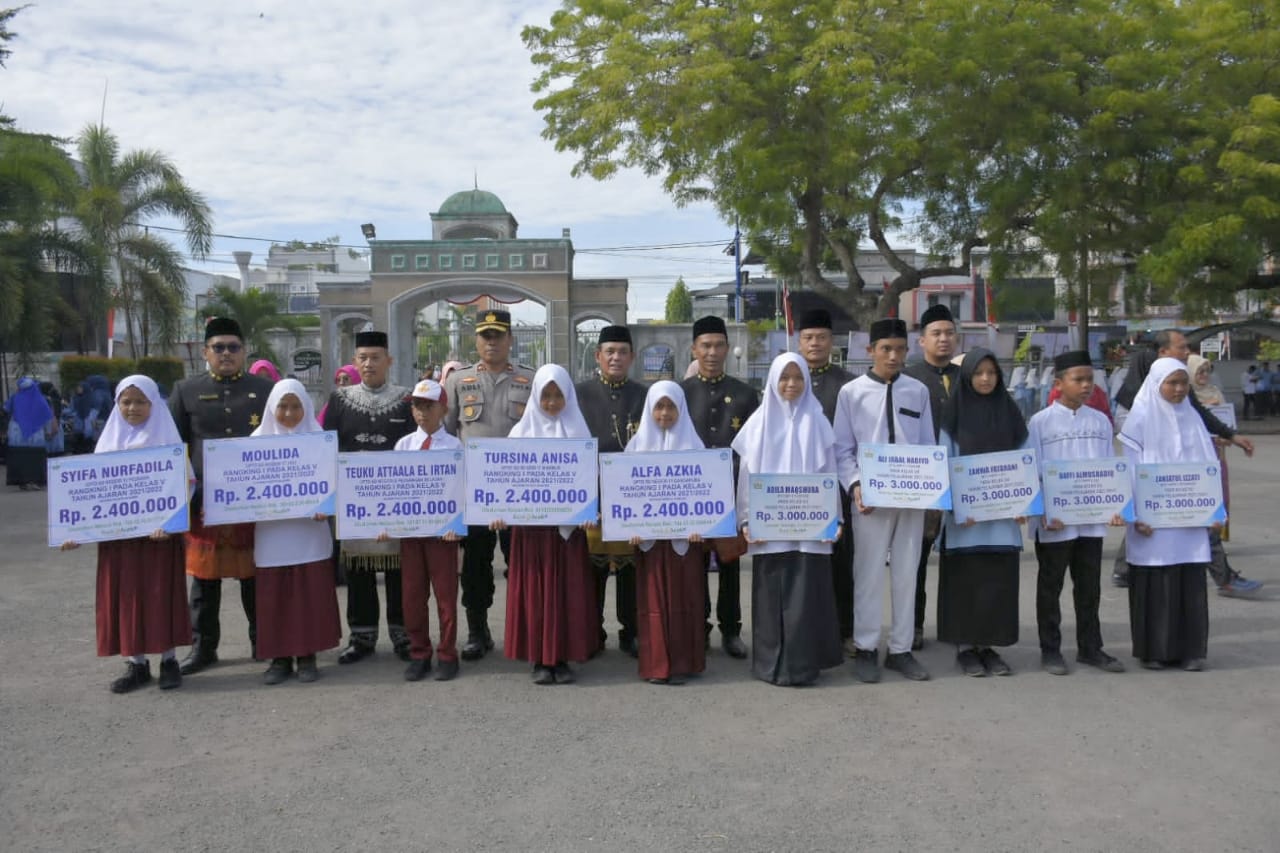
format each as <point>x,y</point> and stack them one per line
<point>297,610</point>
<point>669,611</point>
<point>142,597</point>
<point>551,598</point>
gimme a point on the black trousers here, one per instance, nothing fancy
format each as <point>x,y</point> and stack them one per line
<point>477,565</point>
<point>1082,557</point>
<point>728,598</point>
<point>362,608</point>
<point>842,571</point>
<point>922,574</point>
<point>205,598</point>
<point>624,594</point>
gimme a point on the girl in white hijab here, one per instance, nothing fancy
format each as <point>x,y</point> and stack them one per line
<point>297,610</point>
<point>1168,606</point>
<point>669,573</point>
<point>794,631</point>
<point>141,603</point>
<point>551,595</point>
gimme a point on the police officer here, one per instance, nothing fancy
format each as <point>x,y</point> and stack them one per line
<point>226,402</point>
<point>613,405</point>
<point>719,405</point>
<point>815,345</point>
<point>485,401</point>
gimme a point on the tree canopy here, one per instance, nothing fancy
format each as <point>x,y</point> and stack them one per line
<point>679,303</point>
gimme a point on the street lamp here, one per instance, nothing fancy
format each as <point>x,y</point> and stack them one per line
<point>737,354</point>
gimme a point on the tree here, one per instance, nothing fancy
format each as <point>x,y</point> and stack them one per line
<point>679,303</point>
<point>142,273</point>
<point>258,313</point>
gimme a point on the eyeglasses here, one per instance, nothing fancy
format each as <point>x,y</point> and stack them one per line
<point>221,348</point>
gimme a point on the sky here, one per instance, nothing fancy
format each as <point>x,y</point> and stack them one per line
<point>301,121</point>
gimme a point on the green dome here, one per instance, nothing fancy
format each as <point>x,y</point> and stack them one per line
<point>473,203</point>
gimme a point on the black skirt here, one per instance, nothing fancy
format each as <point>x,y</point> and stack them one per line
<point>794,631</point>
<point>1169,612</point>
<point>25,465</point>
<point>978,598</point>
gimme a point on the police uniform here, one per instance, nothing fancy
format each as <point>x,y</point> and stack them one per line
<point>613,411</point>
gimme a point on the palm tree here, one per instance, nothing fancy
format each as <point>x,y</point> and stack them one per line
<point>145,276</point>
<point>258,313</point>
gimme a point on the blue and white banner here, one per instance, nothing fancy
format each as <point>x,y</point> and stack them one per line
<point>269,478</point>
<point>1087,491</point>
<point>793,507</point>
<point>531,481</point>
<point>988,486</point>
<point>906,476</point>
<point>667,495</point>
<point>100,497</point>
<point>402,493</point>
<point>1180,494</point>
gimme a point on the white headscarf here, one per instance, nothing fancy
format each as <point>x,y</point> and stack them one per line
<point>158,430</point>
<point>535,423</point>
<point>1161,431</point>
<point>271,426</point>
<point>786,437</point>
<point>650,437</point>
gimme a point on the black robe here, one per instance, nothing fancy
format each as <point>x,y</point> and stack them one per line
<point>827,382</point>
<point>612,411</point>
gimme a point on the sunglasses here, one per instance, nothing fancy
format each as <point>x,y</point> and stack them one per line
<point>221,348</point>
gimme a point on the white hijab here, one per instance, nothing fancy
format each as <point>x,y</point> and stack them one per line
<point>650,437</point>
<point>1160,431</point>
<point>535,423</point>
<point>786,437</point>
<point>271,426</point>
<point>158,430</point>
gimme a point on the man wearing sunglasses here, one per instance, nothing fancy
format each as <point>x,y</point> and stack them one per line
<point>225,402</point>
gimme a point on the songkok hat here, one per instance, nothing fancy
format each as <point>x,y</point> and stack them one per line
<point>614,335</point>
<point>371,339</point>
<point>493,321</point>
<point>1072,358</point>
<point>888,327</point>
<point>934,313</point>
<point>429,389</point>
<point>709,326</point>
<point>815,318</point>
<point>222,326</point>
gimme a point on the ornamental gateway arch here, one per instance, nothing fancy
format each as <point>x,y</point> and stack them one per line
<point>473,259</point>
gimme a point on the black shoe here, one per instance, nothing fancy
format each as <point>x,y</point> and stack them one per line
<point>1120,580</point>
<point>917,641</point>
<point>1193,665</point>
<point>1054,664</point>
<point>417,669</point>
<point>629,645</point>
<point>866,666</point>
<point>993,663</point>
<point>280,669</point>
<point>1152,664</point>
<point>307,671</point>
<point>479,640</point>
<point>733,646</point>
<point>402,652</point>
<point>906,663</point>
<point>355,652</point>
<point>971,663</point>
<point>197,661</point>
<point>658,680</point>
<point>170,674</point>
<point>1101,660</point>
<point>542,675</point>
<point>563,674</point>
<point>135,675</point>
<point>446,670</point>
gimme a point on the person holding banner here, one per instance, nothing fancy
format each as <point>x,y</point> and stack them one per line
<point>141,605</point>
<point>226,402</point>
<point>794,630</point>
<point>978,568</point>
<point>1168,606</point>
<point>670,594</point>
<point>883,406</point>
<point>297,601</point>
<point>430,563</point>
<point>551,596</point>
<point>1069,430</point>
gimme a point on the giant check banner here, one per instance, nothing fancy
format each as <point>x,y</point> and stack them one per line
<point>667,495</point>
<point>989,486</point>
<point>1179,494</point>
<point>269,478</point>
<point>100,497</point>
<point>907,476</point>
<point>1087,491</point>
<point>794,507</point>
<point>402,493</point>
<point>531,481</point>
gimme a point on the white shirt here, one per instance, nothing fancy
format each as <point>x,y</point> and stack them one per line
<point>861,418</point>
<point>1061,434</point>
<point>440,440</point>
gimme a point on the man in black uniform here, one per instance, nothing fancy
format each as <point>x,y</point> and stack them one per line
<point>373,415</point>
<point>613,406</point>
<point>226,402</point>
<point>940,376</point>
<point>815,345</point>
<point>719,405</point>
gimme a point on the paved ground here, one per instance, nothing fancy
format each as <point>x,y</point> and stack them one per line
<point>364,761</point>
